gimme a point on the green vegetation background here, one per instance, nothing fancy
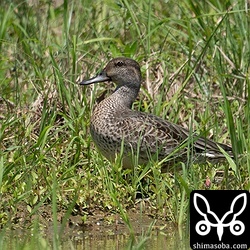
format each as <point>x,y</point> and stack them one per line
<point>195,58</point>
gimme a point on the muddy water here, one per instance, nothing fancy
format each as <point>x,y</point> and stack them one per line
<point>152,234</point>
<point>101,231</point>
<point>89,240</point>
<point>156,241</point>
<point>159,235</point>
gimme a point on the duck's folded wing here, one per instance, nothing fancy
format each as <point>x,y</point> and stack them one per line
<point>161,137</point>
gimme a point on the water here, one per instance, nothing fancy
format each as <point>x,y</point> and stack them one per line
<point>156,241</point>
<point>148,234</point>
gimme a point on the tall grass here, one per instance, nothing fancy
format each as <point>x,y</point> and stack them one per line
<point>195,65</point>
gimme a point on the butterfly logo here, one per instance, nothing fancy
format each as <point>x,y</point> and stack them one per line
<point>203,227</point>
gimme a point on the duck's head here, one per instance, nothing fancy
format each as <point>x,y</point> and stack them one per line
<point>121,70</point>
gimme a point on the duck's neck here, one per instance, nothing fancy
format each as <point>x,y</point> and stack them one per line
<point>125,95</point>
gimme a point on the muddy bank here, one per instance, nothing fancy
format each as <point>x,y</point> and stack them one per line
<point>95,222</point>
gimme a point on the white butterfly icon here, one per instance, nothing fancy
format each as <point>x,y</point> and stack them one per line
<point>203,227</point>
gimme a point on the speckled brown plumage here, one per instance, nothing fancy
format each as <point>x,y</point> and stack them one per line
<point>115,124</point>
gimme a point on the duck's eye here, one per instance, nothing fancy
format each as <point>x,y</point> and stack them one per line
<point>119,63</point>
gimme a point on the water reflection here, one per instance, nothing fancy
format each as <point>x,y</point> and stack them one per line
<point>155,241</point>
<point>146,237</point>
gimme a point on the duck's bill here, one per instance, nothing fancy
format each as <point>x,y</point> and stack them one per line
<point>102,77</point>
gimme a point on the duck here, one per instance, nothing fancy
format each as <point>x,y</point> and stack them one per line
<point>140,137</point>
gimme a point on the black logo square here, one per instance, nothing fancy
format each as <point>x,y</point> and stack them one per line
<point>219,219</point>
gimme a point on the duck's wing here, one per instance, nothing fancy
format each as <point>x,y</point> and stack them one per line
<point>157,136</point>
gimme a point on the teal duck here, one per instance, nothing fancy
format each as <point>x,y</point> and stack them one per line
<point>142,136</point>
